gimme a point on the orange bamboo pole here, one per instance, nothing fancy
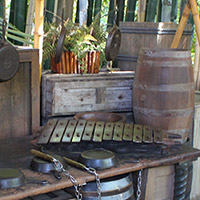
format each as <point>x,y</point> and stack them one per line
<point>181,26</point>
<point>38,33</point>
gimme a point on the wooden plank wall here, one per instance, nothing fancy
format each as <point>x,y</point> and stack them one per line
<point>20,98</point>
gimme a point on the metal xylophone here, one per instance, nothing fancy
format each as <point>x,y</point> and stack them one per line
<point>76,131</point>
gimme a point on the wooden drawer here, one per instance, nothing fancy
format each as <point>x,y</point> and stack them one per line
<point>71,94</point>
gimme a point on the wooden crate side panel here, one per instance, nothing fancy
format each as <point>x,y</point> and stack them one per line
<point>195,191</point>
<point>160,183</point>
<point>15,104</point>
<point>20,102</point>
<point>5,110</point>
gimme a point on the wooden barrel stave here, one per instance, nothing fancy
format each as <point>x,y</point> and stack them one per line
<point>146,34</point>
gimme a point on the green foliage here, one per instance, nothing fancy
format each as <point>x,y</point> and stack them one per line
<point>79,39</point>
<point>16,35</point>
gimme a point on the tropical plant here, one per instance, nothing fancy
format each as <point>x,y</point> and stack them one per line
<point>79,39</point>
<point>15,34</point>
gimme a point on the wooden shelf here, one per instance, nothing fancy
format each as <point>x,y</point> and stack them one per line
<point>18,155</point>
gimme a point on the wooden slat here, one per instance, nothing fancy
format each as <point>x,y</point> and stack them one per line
<point>59,131</point>
<point>67,137</point>
<point>118,131</point>
<point>47,131</point>
<point>128,132</point>
<point>98,133</point>
<point>108,131</point>
<point>87,135</point>
<point>79,131</point>
<point>147,134</point>
<point>137,133</point>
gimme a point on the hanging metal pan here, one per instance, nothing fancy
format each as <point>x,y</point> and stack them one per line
<point>113,43</point>
<point>9,57</point>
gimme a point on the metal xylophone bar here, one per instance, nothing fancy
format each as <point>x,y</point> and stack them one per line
<point>75,131</point>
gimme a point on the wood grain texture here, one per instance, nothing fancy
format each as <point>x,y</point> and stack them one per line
<point>20,98</point>
<point>148,34</point>
<point>195,192</point>
<point>160,183</point>
<point>69,94</point>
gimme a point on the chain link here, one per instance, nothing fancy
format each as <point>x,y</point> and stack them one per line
<point>93,171</point>
<point>59,165</point>
<point>139,183</point>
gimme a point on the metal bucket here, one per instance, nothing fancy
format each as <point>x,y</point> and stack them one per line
<point>116,188</point>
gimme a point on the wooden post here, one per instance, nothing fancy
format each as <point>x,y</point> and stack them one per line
<point>38,34</point>
<point>195,14</point>
<point>181,26</point>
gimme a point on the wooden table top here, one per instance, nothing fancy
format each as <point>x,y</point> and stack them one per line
<point>16,153</point>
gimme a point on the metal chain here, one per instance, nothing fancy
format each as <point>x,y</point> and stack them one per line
<point>139,183</point>
<point>77,187</point>
<point>93,171</point>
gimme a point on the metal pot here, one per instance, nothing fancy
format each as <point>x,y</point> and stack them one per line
<point>9,58</point>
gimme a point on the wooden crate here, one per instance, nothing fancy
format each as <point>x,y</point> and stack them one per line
<point>70,94</point>
<point>160,183</point>
<point>19,99</point>
<point>195,192</point>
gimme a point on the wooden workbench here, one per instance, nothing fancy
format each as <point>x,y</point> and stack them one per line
<point>16,153</point>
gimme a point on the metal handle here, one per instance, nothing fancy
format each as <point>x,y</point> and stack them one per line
<point>44,156</point>
<point>74,163</point>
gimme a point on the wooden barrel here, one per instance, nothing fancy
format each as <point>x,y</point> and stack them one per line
<point>163,91</point>
<point>135,35</point>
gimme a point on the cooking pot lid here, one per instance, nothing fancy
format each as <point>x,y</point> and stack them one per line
<point>11,177</point>
<point>9,62</point>
<point>98,158</point>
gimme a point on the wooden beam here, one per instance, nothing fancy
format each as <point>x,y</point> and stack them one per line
<point>181,26</point>
<point>38,34</point>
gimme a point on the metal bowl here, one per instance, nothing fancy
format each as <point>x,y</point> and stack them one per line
<point>101,116</point>
<point>98,158</point>
<point>11,178</point>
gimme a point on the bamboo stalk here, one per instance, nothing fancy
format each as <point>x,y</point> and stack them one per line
<point>97,62</point>
<point>55,10</point>
<point>67,62</point>
<point>38,34</point>
<point>195,14</point>
<point>63,63</point>
<point>90,12</point>
<point>151,11</point>
<point>181,26</point>
<point>30,17</point>
<point>130,12</point>
<point>93,61</point>
<point>141,10</point>
<point>75,63</point>
<point>111,14</point>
